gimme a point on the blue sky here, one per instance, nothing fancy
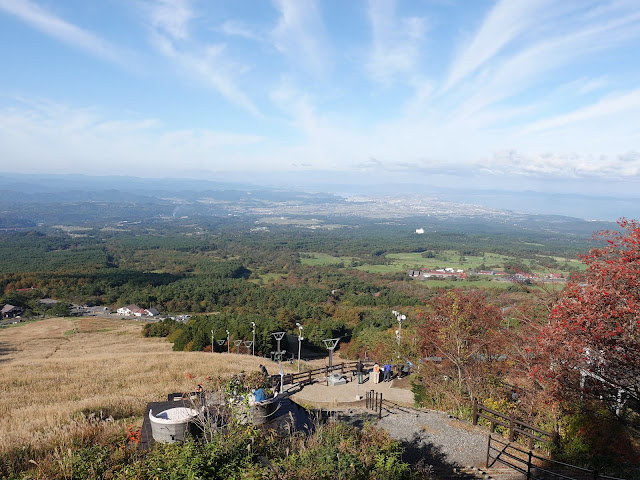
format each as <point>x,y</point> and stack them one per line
<point>524,94</point>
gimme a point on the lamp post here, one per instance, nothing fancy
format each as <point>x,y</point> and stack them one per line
<point>299,343</point>
<point>401,318</point>
<point>212,341</point>
<point>278,336</point>
<point>331,344</point>
<point>228,344</point>
<point>253,344</point>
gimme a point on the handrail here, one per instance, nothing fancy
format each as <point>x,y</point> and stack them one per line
<point>309,375</point>
<point>515,425</point>
<point>542,468</point>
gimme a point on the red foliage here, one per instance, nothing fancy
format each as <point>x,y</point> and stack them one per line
<point>594,327</point>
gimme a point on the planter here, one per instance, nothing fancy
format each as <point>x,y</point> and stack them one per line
<point>172,425</point>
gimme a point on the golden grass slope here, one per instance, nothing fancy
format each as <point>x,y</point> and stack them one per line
<point>55,372</point>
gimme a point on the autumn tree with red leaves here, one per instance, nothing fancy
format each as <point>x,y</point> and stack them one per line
<point>591,347</point>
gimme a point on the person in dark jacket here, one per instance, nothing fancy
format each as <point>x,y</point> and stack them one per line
<point>359,370</point>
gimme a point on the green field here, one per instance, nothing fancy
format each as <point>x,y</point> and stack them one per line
<point>314,258</point>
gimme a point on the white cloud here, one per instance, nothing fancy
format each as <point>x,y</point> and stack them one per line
<point>82,140</point>
<point>562,165</point>
<point>300,35</point>
<point>396,42</point>
<point>172,17</point>
<point>50,24</point>
<point>611,105</point>
<point>238,29</point>
<point>209,64</point>
<point>506,21</point>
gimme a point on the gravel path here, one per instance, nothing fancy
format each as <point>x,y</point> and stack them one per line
<point>436,439</point>
<point>430,436</point>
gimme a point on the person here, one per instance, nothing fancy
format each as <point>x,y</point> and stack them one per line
<point>376,373</point>
<point>199,388</point>
<point>359,370</point>
<point>387,372</point>
<point>264,370</point>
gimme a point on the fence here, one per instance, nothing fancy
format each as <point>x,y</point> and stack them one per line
<point>310,375</point>
<point>534,466</point>
<point>517,428</point>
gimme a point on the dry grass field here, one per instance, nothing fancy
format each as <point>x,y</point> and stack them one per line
<point>56,373</point>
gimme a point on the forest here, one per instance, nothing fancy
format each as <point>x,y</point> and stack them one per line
<point>465,339</point>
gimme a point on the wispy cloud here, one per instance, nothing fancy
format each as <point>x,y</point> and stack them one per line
<point>506,21</point>
<point>208,63</point>
<point>68,136</point>
<point>238,29</point>
<point>54,26</point>
<point>300,35</point>
<point>611,105</point>
<point>396,41</point>
<point>172,17</point>
<point>568,165</point>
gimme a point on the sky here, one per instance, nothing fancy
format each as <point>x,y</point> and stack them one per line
<point>519,95</point>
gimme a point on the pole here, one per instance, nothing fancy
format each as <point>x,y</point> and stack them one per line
<point>299,344</point>
<point>212,340</point>
<point>228,344</point>
<point>253,345</point>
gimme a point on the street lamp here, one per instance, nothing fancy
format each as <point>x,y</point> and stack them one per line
<point>278,336</point>
<point>299,343</point>
<point>212,341</point>
<point>228,345</point>
<point>331,344</point>
<point>253,345</point>
<point>401,318</point>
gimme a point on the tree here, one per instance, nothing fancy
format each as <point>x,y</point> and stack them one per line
<point>461,329</point>
<point>591,346</point>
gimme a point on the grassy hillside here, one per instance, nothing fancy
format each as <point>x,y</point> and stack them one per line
<point>54,372</point>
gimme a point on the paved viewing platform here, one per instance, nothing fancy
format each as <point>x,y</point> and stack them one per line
<point>321,395</point>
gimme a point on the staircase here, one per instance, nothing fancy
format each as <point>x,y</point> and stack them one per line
<point>471,473</point>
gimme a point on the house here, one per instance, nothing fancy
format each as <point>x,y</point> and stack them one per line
<point>152,312</point>
<point>128,310</point>
<point>11,311</point>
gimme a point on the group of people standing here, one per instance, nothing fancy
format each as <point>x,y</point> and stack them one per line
<point>375,372</point>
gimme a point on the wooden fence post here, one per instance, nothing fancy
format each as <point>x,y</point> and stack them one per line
<point>512,434</point>
<point>529,466</point>
<point>475,411</point>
